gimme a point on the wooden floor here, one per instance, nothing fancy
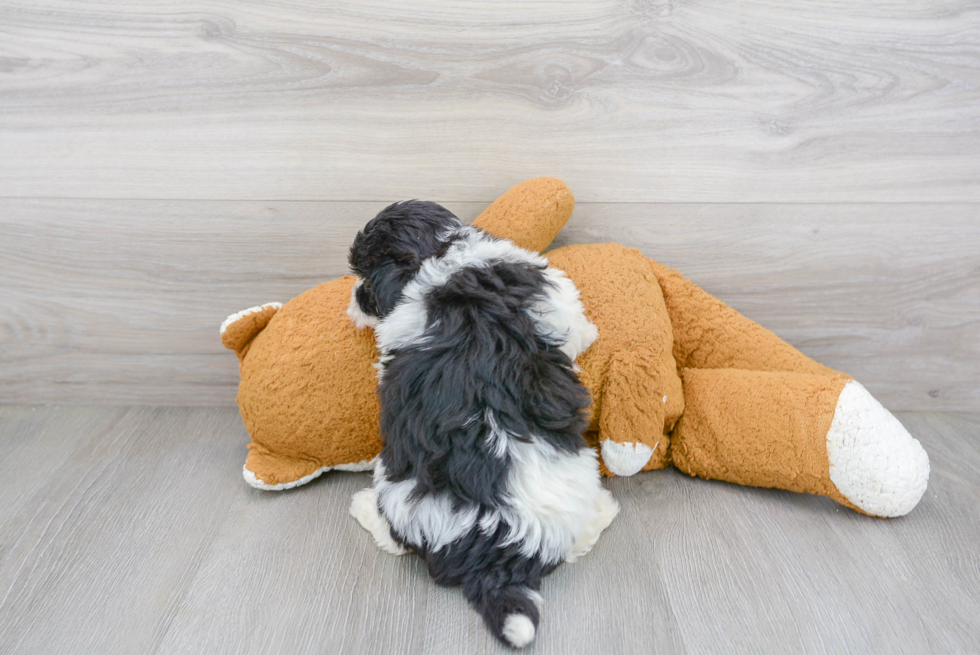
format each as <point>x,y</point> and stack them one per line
<point>130,530</point>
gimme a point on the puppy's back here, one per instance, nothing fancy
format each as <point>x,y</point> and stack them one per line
<point>480,375</point>
<point>484,469</point>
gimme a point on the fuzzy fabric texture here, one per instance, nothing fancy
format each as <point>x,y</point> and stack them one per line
<point>530,214</point>
<point>874,461</point>
<point>759,428</point>
<point>307,390</point>
<point>677,377</point>
<point>630,369</point>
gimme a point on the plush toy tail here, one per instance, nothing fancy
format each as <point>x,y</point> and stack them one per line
<point>240,328</point>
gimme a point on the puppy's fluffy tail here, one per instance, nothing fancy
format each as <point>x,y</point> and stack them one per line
<point>511,612</point>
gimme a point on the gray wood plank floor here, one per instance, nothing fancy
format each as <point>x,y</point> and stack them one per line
<point>129,530</point>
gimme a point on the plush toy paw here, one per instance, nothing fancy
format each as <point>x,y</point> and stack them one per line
<point>606,510</point>
<point>364,508</point>
<point>274,472</point>
<point>625,458</point>
<point>874,462</point>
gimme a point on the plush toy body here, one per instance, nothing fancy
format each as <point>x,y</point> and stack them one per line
<point>677,377</point>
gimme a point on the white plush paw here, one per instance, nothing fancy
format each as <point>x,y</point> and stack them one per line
<point>874,462</point>
<point>606,509</point>
<point>625,458</point>
<point>364,508</point>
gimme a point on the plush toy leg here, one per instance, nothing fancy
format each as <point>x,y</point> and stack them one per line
<point>819,434</point>
<point>710,334</point>
<point>636,401</point>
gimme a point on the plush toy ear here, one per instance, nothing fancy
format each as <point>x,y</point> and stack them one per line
<point>530,214</point>
<point>239,329</point>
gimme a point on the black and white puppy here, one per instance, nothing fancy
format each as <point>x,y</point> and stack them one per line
<point>484,471</point>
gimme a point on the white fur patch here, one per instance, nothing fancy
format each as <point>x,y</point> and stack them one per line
<point>364,508</point>
<point>560,317</point>
<point>552,499</point>
<point>497,437</point>
<point>874,462</point>
<point>354,311</point>
<point>254,481</point>
<point>489,522</point>
<point>430,520</point>
<point>404,326</point>
<point>606,510</point>
<point>518,630</point>
<point>247,312</point>
<point>554,505</point>
<point>625,458</point>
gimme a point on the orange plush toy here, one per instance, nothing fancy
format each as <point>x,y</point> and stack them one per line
<point>677,378</point>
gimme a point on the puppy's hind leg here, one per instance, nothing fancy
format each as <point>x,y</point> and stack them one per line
<point>364,508</point>
<point>606,509</point>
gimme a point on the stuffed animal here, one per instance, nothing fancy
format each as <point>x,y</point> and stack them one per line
<point>677,378</point>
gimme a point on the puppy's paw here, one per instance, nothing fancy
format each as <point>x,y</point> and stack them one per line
<point>606,509</point>
<point>364,508</point>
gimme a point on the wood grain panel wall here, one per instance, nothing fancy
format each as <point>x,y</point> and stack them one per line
<point>817,165</point>
<point>105,301</point>
<point>636,100</point>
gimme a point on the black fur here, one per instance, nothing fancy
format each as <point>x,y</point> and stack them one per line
<point>480,352</point>
<point>391,247</point>
<point>495,578</point>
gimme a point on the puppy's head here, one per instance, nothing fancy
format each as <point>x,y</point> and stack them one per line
<point>388,252</point>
